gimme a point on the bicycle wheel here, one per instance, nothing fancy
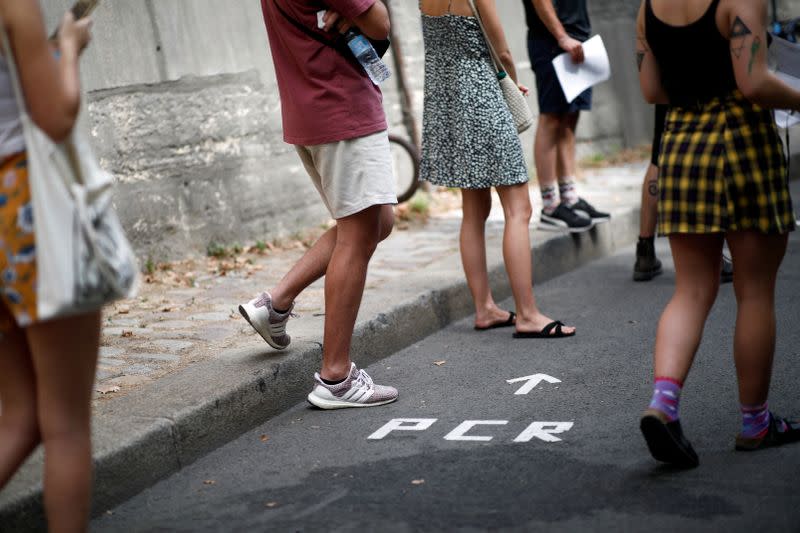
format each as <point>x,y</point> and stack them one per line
<point>405,158</point>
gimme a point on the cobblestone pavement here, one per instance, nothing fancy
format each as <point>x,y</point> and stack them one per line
<point>189,314</point>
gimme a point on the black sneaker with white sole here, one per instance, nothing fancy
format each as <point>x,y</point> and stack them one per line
<point>565,218</point>
<point>582,207</point>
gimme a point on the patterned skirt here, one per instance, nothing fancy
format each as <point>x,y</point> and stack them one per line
<point>722,168</point>
<point>17,245</point>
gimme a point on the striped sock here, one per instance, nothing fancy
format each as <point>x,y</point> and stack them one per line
<point>667,397</point>
<point>568,191</point>
<point>549,199</point>
<point>755,421</point>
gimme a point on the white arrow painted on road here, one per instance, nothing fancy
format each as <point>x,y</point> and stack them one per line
<point>532,381</point>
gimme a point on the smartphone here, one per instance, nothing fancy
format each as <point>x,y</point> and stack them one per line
<point>82,8</point>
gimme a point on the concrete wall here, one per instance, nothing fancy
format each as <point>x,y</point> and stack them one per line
<point>184,110</point>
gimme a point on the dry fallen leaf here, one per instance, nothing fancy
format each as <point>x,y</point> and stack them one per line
<point>439,363</point>
<point>209,482</point>
<point>417,481</point>
<point>107,389</point>
<point>264,438</point>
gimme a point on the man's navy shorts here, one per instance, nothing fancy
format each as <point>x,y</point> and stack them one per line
<point>542,51</point>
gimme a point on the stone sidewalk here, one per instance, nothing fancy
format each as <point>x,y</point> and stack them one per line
<point>181,372</point>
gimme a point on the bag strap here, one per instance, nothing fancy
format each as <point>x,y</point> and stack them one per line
<point>498,65</point>
<point>308,31</point>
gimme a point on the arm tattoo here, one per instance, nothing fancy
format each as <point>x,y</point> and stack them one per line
<point>641,52</point>
<point>754,48</point>
<point>652,188</point>
<point>738,32</point>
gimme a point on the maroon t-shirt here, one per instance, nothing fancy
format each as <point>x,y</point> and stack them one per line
<point>325,97</point>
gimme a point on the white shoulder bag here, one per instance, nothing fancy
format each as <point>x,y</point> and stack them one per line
<point>83,259</point>
<point>517,104</point>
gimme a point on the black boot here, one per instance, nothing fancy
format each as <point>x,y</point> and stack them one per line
<point>647,264</point>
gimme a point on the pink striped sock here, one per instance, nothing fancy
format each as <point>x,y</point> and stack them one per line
<point>755,420</point>
<point>667,397</point>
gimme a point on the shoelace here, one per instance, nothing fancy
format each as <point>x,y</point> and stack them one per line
<point>364,379</point>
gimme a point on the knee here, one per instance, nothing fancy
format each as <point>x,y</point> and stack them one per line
<point>21,424</point>
<point>550,124</point>
<point>386,223</point>
<point>701,296</point>
<point>62,424</point>
<point>519,214</point>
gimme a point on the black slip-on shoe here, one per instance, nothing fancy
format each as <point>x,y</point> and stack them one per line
<point>781,431</point>
<point>666,440</point>
<point>565,218</point>
<point>582,207</point>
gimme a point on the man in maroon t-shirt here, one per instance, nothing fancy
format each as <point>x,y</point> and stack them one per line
<point>333,114</point>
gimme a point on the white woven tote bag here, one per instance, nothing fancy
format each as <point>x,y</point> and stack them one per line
<point>83,259</point>
<point>517,104</point>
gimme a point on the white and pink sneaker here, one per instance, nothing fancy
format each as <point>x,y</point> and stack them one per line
<point>270,324</point>
<point>358,390</point>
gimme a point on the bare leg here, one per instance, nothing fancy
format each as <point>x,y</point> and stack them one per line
<point>356,240</point>
<point>757,258</point>
<point>314,263</point>
<point>565,159</point>
<point>19,429</point>
<point>476,205</point>
<point>649,212</point>
<point>517,255</point>
<point>545,149</point>
<point>697,262</point>
<point>64,356</point>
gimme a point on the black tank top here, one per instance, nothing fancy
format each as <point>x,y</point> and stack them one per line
<point>694,60</point>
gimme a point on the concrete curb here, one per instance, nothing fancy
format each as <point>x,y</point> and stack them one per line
<point>148,435</point>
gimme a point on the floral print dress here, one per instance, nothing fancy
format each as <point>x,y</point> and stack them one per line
<point>469,139</point>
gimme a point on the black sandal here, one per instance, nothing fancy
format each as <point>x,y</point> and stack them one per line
<point>508,323</point>
<point>666,441</point>
<point>546,333</point>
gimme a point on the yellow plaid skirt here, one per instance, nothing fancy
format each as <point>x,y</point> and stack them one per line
<point>722,168</point>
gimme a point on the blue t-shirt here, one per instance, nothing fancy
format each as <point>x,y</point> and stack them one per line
<point>573,14</point>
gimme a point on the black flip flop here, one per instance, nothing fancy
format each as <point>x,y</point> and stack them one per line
<point>546,333</point>
<point>508,323</point>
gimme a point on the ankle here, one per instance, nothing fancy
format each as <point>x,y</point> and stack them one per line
<point>280,303</point>
<point>335,373</point>
<point>755,420</point>
<point>666,396</point>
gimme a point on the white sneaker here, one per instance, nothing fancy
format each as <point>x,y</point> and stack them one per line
<point>270,324</point>
<point>358,390</point>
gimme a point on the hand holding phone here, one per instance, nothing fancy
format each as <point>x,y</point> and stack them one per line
<point>81,9</point>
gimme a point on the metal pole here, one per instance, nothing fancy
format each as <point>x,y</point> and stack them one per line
<point>401,75</point>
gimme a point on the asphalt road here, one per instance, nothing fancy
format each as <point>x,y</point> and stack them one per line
<point>309,470</point>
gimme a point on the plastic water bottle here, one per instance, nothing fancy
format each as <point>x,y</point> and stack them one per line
<point>376,69</point>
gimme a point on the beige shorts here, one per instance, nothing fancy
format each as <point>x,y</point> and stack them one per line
<point>352,175</point>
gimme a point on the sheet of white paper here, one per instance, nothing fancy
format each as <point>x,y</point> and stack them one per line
<point>784,58</point>
<point>785,118</point>
<point>595,69</point>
